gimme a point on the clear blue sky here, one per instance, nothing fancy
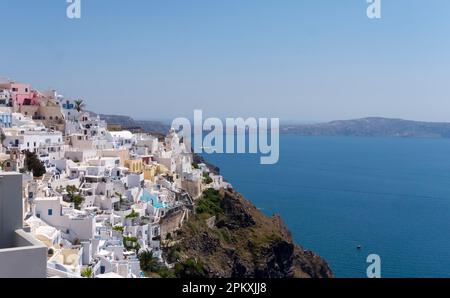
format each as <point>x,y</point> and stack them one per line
<point>300,60</point>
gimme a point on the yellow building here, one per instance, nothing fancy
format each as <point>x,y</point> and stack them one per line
<point>150,172</point>
<point>134,165</point>
<point>161,169</point>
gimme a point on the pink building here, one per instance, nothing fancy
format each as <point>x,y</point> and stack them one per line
<point>21,94</point>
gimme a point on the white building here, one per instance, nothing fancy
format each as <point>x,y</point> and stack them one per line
<point>21,255</point>
<point>5,97</point>
<point>147,141</point>
<point>73,224</point>
<point>120,139</point>
<point>33,140</point>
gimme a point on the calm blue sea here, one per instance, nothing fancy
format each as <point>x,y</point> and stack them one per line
<point>390,195</point>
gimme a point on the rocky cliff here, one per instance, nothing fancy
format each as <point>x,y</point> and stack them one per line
<point>229,237</point>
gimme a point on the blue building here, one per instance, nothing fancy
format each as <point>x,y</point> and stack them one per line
<point>68,105</point>
<point>5,120</point>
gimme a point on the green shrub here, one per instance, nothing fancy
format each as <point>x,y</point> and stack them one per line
<point>74,196</point>
<point>148,262</point>
<point>118,229</point>
<point>165,272</point>
<point>32,163</point>
<point>132,215</point>
<point>131,243</point>
<point>206,178</point>
<point>190,269</point>
<point>209,203</point>
<point>87,272</point>
<point>173,254</point>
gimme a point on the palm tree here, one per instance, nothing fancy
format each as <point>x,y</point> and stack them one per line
<point>79,105</point>
<point>148,262</point>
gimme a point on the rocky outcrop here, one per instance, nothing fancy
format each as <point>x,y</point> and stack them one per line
<point>245,243</point>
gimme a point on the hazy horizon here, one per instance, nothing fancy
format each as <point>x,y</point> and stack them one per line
<point>308,61</point>
<point>285,121</point>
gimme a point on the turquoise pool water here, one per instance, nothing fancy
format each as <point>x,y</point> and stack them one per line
<point>151,198</point>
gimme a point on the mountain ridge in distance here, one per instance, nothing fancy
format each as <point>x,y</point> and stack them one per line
<point>372,127</point>
<point>362,127</point>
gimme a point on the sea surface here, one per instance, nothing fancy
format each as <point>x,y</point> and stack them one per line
<point>389,195</point>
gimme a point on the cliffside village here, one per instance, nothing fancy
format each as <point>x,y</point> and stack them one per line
<point>97,196</point>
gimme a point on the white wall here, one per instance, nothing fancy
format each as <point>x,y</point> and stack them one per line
<point>33,141</point>
<point>27,259</point>
<point>81,228</point>
<point>21,255</point>
<point>11,207</point>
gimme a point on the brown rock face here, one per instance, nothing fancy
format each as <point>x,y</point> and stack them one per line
<point>245,244</point>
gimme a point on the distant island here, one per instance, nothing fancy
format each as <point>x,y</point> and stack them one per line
<point>372,127</point>
<point>364,127</point>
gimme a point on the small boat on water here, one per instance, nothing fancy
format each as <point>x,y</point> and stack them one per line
<point>359,247</point>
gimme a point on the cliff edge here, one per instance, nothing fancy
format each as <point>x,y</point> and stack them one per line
<point>227,236</point>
